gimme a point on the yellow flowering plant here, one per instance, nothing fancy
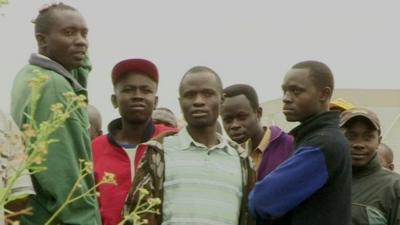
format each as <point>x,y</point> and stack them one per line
<point>36,139</point>
<point>143,206</point>
<point>3,2</point>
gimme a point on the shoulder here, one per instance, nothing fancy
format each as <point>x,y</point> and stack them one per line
<point>327,139</point>
<point>162,128</point>
<point>389,178</point>
<point>238,148</point>
<point>278,134</point>
<point>100,142</point>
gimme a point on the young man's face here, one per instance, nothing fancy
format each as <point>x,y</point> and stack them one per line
<point>239,118</point>
<point>66,42</point>
<point>200,99</point>
<point>135,96</point>
<point>363,138</point>
<point>301,98</point>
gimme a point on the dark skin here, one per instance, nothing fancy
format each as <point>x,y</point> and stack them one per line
<point>386,157</point>
<point>364,140</point>
<point>200,100</point>
<point>66,44</point>
<point>135,97</point>
<point>302,98</point>
<point>241,121</point>
<point>95,122</point>
<point>66,41</point>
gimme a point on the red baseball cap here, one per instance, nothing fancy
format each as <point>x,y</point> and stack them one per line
<point>134,65</point>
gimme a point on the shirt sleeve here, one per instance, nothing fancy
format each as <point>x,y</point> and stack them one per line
<point>294,181</point>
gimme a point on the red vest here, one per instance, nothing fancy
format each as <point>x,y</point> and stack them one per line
<point>110,157</point>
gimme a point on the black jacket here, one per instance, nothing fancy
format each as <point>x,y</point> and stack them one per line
<point>375,195</point>
<point>313,186</point>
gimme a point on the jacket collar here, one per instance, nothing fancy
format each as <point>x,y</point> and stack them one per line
<point>316,122</point>
<point>116,125</point>
<point>47,63</point>
<point>370,168</point>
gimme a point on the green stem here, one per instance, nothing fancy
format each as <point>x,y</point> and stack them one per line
<point>67,201</point>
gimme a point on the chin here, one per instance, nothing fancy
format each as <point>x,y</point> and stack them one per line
<point>137,120</point>
<point>291,118</point>
<point>200,124</point>
<point>239,141</point>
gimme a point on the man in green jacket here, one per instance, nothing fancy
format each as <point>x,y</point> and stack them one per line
<point>375,190</point>
<point>61,36</point>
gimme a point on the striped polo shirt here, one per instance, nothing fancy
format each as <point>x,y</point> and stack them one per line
<point>202,185</point>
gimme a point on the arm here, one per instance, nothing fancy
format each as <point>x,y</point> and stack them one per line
<point>294,181</point>
<point>149,176</point>
<point>22,187</point>
<point>62,162</point>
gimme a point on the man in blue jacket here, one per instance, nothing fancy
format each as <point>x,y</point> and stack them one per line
<point>313,186</point>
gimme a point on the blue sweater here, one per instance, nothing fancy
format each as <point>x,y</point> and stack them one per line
<point>313,186</point>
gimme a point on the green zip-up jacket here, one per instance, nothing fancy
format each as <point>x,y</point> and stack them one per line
<point>53,185</point>
<point>375,195</point>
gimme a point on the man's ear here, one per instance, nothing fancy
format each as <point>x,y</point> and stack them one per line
<point>379,139</point>
<point>326,94</point>
<point>155,102</point>
<point>114,101</point>
<point>259,112</point>
<point>41,40</point>
<point>391,166</point>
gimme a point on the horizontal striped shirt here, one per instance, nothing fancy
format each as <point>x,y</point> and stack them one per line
<point>202,185</point>
<point>12,155</point>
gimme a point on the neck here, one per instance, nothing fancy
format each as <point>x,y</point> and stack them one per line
<point>256,139</point>
<point>316,113</point>
<point>372,166</point>
<point>206,136</point>
<point>131,133</point>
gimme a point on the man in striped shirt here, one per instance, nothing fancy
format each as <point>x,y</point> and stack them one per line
<point>200,177</point>
<point>11,157</point>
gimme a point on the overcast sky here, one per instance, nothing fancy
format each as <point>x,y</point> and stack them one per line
<point>252,42</point>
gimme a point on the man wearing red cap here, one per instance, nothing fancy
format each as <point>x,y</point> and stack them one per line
<point>375,190</point>
<point>135,84</point>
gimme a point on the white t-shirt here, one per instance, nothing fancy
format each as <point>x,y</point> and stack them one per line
<point>130,149</point>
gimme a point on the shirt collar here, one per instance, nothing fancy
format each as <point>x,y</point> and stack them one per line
<point>263,143</point>
<point>187,142</point>
<point>116,125</point>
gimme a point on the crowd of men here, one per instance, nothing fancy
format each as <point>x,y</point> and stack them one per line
<point>332,169</point>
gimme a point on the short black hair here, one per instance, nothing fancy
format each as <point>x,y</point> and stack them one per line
<point>44,20</point>
<point>198,69</point>
<point>320,73</point>
<point>243,89</point>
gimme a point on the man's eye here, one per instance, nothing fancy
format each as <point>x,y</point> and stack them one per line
<point>189,95</point>
<point>242,117</point>
<point>227,120</point>
<point>147,91</point>
<point>296,91</point>
<point>68,32</point>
